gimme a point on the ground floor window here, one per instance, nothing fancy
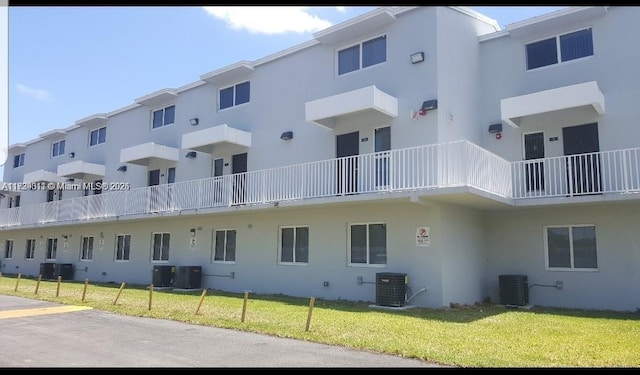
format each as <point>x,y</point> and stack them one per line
<point>368,243</point>
<point>160,247</point>
<point>224,248</point>
<point>30,249</point>
<point>294,245</point>
<point>8,249</point>
<point>123,247</point>
<point>571,247</point>
<point>52,248</point>
<point>86,248</point>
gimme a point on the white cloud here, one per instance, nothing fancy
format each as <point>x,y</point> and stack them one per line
<point>269,19</point>
<point>341,9</point>
<point>39,94</point>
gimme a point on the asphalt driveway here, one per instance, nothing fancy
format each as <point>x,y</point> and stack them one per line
<point>44,334</point>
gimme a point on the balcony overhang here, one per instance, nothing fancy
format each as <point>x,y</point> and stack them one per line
<point>368,100</point>
<point>17,147</point>
<point>158,98</point>
<point>55,133</point>
<point>235,72</point>
<point>205,140</point>
<point>144,154</point>
<point>41,176</point>
<point>581,95</point>
<point>367,23</point>
<point>93,120</point>
<point>82,170</point>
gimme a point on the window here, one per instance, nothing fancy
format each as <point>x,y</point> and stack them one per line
<point>52,248</point>
<point>86,250</point>
<point>235,95</point>
<point>294,245</point>
<point>571,247</point>
<point>30,249</point>
<point>224,246</point>
<point>57,149</point>
<point>160,247</point>
<point>18,160</point>
<point>569,47</point>
<point>374,51</point>
<point>123,247</point>
<point>164,116</point>
<point>368,244</point>
<point>98,136</point>
<point>14,201</point>
<point>8,249</point>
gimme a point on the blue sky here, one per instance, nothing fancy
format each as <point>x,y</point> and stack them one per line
<point>67,63</point>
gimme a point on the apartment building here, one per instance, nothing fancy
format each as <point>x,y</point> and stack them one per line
<point>423,142</point>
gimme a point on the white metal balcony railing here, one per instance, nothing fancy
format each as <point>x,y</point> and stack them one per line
<point>454,164</point>
<point>573,175</point>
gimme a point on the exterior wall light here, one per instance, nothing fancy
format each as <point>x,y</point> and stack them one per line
<point>417,57</point>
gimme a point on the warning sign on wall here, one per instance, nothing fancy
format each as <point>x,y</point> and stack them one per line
<point>422,236</point>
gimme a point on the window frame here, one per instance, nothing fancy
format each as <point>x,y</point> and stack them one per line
<point>86,248</point>
<point>98,137</point>
<point>124,249</point>
<point>153,243</point>
<point>559,59</point>
<point>214,239</point>
<point>30,250</point>
<point>235,95</point>
<point>368,247</point>
<point>62,142</point>
<point>280,238</point>
<point>20,160</point>
<point>8,248</point>
<point>164,113</point>
<point>572,268</point>
<point>360,45</point>
<point>54,251</point>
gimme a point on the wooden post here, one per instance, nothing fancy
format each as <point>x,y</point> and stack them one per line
<point>17,282</point>
<point>0,276</point>
<point>38,284</point>
<point>58,287</point>
<point>119,291</point>
<point>150,295</point>
<point>244,305</point>
<point>84,291</point>
<point>204,293</point>
<point>311,303</point>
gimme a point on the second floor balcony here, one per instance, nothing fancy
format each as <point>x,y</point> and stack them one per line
<point>420,170</point>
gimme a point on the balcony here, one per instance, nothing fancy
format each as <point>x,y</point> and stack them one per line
<point>441,170</point>
<point>583,95</point>
<point>369,102</point>
<point>82,170</point>
<point>206,139</point>
<point>146,153</point>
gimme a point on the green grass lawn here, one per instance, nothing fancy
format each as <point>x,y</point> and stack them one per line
<point>467,336</point>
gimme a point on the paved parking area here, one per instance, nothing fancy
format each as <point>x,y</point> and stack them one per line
<point>44,334</point>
